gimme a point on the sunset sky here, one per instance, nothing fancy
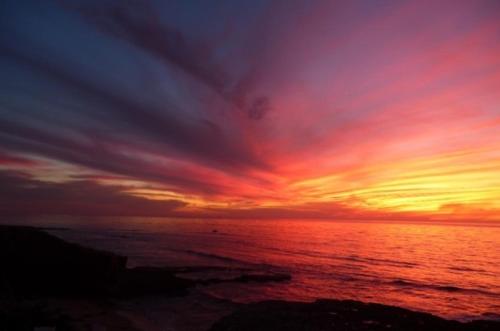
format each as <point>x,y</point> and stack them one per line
<point>338,109</point>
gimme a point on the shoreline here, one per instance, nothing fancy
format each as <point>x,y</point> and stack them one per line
<point>151,298</point>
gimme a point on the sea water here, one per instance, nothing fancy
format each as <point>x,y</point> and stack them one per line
<point>452,270</point>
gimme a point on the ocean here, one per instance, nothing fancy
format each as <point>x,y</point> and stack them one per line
<point>451,270</point>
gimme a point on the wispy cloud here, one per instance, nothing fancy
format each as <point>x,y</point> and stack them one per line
<point>355,109</point>
<point>21,194</point>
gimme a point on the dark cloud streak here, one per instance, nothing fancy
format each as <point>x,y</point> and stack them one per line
<point>196,139</point>
<point>105,128</point>
<point>138,23</point>
<point>19,193</point>
<point>98,156</point>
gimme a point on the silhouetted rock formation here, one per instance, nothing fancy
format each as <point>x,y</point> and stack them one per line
<point>62,315</point>
<point>250,277</point>
<point>37,263</point>
<point>142,281</point>
<point>47,281</point>
<point>332,315</point>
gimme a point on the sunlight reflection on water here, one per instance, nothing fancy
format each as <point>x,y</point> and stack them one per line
<point>450,270</point>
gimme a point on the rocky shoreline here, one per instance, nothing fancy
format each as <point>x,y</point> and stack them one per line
<point>323,315</point>
<point>46,281</point>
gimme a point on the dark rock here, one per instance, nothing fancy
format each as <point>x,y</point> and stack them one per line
<point>207,268</point>
<point>28,316</point>
<point>338,315</point>
<point>37,263</point>
<point>62,315</point>
<point>249,278</point>
<point>142,281</point>
<point>263,278</point>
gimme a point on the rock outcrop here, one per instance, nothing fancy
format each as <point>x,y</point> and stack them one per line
<point>37,263</point>
<point>333,315</point>
<point>143,281</point>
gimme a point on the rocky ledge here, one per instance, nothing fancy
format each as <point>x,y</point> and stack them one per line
<point>35,263</point>
<point>45,280</point>
<point>338,315</point>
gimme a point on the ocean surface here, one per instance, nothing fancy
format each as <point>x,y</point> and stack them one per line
<point>452,270</point>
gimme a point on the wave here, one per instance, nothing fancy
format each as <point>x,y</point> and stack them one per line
<point>351,258</point>
<point>211,256</point>
<point>466,269</point>
<point>444,288</point>
<point>228,259</point>
<point>379,261</point>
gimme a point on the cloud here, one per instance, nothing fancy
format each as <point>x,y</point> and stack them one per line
<point>259,108</point>
<point>103,156</point>
<point>472,211</point>
<point>8,159</point>
<point>21,194</point>
<point>286,104</point>
<point>138,23</point>
<point>162,125</point>
<point>137,134</point>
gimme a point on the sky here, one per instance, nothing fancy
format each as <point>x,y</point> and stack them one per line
<point>251,109</point>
